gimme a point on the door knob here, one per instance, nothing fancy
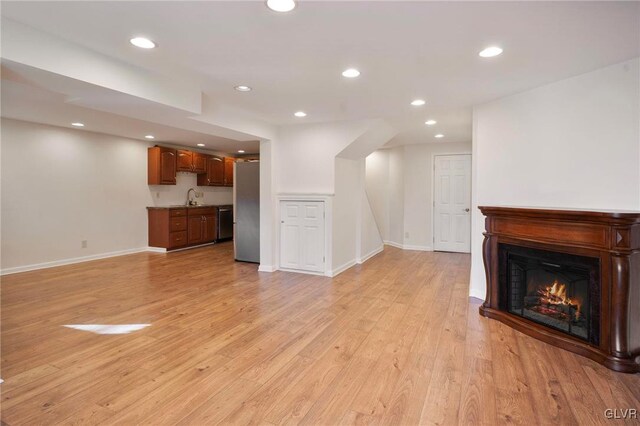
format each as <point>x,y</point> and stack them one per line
<point>466,210</point>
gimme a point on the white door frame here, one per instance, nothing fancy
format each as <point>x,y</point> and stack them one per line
<point>433,191</point>
<point>327,199</point>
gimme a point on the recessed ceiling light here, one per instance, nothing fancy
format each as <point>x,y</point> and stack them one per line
<point>350,73</point>
<point>430,122</point>
<point>78,124</point>
<point>418,102</point>
<point>490,52</point>
<point>150,137</point>
<point>243,88</point>
<point>142,42</point>
<point>200,144</point>
<point>241,151</point>
<point>300,114</point>
<point>281,5</point>
<point>439,135</point>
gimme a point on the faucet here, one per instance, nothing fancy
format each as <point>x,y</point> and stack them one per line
<point>189,201</point>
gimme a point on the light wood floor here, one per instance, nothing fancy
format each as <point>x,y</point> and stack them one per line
<point>394,341</point>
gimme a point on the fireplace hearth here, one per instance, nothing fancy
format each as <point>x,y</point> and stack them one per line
<point>569,278</point>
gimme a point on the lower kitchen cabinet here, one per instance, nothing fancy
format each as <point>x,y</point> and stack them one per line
<point>195,230</point>
<point>176,227</point>
<point>202,225</point>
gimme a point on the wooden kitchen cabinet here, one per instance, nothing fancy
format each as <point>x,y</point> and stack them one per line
<point>177,227</point>
<point>189,161</point>
<point>210,229</point>
<point>202,225</point>
<point>219,172</point>
<point>185,160</point>
<point>161,166</point>
<point>214,174</point>
<point>195,233</point>
<point>168,228</point>
<point>199,162</point>
<point>228,170</point>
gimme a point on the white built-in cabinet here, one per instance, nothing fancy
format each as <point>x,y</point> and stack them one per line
<point>302,235</point>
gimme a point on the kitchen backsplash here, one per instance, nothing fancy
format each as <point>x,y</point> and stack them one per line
<point>164,195</point>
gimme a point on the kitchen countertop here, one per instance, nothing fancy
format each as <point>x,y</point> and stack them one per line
<point>183,206</point>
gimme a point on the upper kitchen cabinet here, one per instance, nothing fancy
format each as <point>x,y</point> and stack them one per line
<point>214,174</point>
<point>189,161</point>
<point>161,166</point>
<point>228,170</point>
<point>199,162</point>
<point>185,161</point>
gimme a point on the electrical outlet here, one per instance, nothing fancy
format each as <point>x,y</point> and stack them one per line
<point>83,244</point>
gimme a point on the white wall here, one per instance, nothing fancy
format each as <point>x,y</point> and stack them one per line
<point>345,213</point>
<point>61,186</point>
<point>574,143</point>
<point>306,154</point>
<point>377,187</point>
<point>268,218</point>
<point>369,237</point>
<point>355,234</point>
<point>400,185</point>
<point>396,196</point>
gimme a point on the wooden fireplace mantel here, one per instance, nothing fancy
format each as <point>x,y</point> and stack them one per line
<point>613,237</point>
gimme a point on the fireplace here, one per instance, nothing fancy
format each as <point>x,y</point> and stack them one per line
<point>554,289</point>
<point>569,278</point>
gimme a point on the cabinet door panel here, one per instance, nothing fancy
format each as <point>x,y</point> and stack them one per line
<point>185,161</point>
<point>199,162</point>
<point>228,171</point>
<point>210,229</point>
<point>216,171</point>
<point>168,167</point>
<point>195,229</point>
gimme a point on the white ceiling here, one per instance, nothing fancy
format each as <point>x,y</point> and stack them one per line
<point>404,50</point>
<point>25,96</point>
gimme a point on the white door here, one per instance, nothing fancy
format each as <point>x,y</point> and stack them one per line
<point>302,235</point>
<point>452,203</point>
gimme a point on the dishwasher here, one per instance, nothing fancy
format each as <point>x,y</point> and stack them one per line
<point>225,223</point>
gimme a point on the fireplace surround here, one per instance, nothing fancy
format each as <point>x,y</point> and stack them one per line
<point>570,278</point>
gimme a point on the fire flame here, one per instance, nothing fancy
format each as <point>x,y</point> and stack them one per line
<point>556,294</point>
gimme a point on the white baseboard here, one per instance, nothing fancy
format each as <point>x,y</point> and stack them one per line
<point>370,254</point>
<point>393,244</point>
<point>478,294</point>
<point>408,246</point>
<point>181,249</point>
<point>340,269</point>
<point>267,268</point>
<point>157,249</point>
<point>299,271</point>
<point>71,261</point>
<point>417,248</point>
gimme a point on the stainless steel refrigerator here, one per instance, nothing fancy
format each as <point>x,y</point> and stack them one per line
<point>246,194</point>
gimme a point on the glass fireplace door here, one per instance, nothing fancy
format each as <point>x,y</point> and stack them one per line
<point>551,290</point>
